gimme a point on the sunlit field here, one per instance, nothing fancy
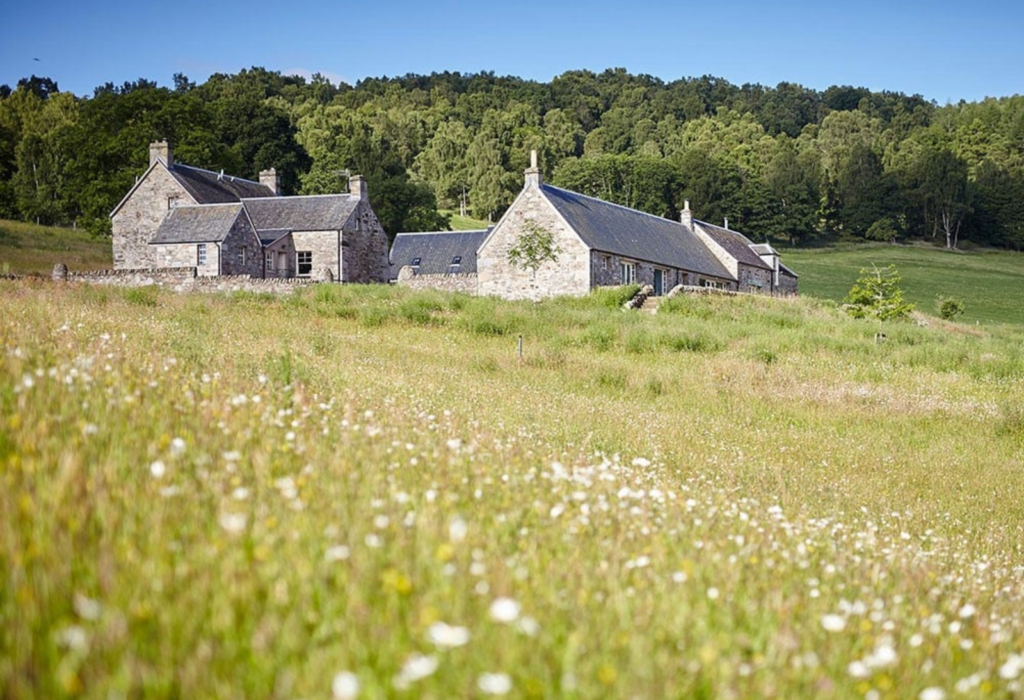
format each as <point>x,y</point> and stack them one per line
<point>362,492</point>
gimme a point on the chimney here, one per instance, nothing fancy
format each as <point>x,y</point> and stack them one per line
<point>686,216</point>
<point>726,227</point>
<point>161,151</point>
<point>271,180</point>
<point>533,176</point>
<point>357,186</point>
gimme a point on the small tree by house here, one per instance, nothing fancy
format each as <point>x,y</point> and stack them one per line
<point>535,246</point>
<point>878,295</point>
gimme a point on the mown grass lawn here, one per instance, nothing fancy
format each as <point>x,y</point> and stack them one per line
<point>30,249</point>
<point>363,492</point>
<point>990,283</point>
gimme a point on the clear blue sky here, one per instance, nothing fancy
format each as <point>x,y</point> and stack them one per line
<point>943,50</point>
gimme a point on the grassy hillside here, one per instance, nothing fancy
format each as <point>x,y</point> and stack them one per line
<point>231,497</point>
<point>466,223</point>
<point>991,284</point>
<point>27,248</point>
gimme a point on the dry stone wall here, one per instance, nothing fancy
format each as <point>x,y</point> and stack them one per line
<point>465,283</point>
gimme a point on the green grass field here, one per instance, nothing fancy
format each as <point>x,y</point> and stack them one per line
<point>30,249</point>
<point>991,283</point>
<point>364,492</point>
<point>466,223</point>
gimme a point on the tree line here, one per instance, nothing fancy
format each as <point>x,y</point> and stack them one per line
<point>783,163</point>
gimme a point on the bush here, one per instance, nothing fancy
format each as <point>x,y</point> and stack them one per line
<point>878,295</point>
<point>950,308</point>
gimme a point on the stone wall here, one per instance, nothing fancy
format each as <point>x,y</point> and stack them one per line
<point>135,223</point>
<point>787,284</point>
<point>569,274</point>
<point>365,247</point>
<point>755,279</point>
<point>281,266</point>
<point>185,279</point>
<point>185,255</point>
<point>730,263</point>
<point>606,271</point>
<point>233,260</point>
<point>466,283</point>
<point>326,249</point>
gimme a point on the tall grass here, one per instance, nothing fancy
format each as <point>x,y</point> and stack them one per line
<point>238,496</point>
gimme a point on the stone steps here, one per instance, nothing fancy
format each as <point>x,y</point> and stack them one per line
<point>651,305</point>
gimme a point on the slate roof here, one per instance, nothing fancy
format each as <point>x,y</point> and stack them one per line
<point>763,249</point>
<point>327,212</point>
<point>612,228</point>
<point>208,187</point>
<point>436,251</point>
<point>197,224</point>
<point>736,244</point>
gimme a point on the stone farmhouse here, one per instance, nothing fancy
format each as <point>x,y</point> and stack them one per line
<point>598,243</point>
<point>178,216</point>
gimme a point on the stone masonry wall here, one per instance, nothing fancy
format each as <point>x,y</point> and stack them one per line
<point>185,279</point>
<point>787,284</point>
<point>281,267</point>
<point>730,263</point>
<point>135,223</point>
<point>366,247</point>
<point>569,274</point>
<point>606,271</point>
<point>325,246</point>
<point>185,255</point>
<point>233,261</point>
<point>755,279</point>
<point>466,283</point>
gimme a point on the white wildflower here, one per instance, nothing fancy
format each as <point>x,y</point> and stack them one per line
<point>1012,668</point>
<point>932,693</point>
<point>858,669</point>
<point>833,623</point>
<point>345,686</point>
<point>457,530</point>
<point>967,611</point>
<point>233,522</point>
<point>417,667</point>
<point>448,636</point>
<point>157,469</point>
<point>87,608</point>
<point>338,552</point>
<point>494,683</point>
<point>713,593</point>
<point>177,446</point>
<point>504,610</point>
<point>528,626</point>
<point>641,462</point>
<point>74,638</point>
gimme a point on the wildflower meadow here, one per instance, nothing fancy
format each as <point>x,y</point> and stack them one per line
<point>363,492</point>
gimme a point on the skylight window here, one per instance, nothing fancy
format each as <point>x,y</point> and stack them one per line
<point>457,260</point>
<point>415,262</point>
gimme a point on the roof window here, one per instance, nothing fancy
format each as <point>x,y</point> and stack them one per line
<point>415,262</point>
<point>457,260</point>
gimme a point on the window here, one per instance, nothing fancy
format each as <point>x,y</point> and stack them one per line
<point>304,259</point>
<point>270,260</point>
<point>628,271</point>
<point>201,254</point>
<point>241,255</point>
<point>415,262</point>
<point>457,260</point>
<point>607,262</point>
<point>173,201</point>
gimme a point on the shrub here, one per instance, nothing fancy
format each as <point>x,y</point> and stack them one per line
<point>878,295</point>
<point>950,308</point>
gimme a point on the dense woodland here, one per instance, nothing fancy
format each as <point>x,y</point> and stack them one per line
<point>783,164</point>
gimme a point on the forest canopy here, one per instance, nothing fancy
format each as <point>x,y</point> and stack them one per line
<point>784,163</point>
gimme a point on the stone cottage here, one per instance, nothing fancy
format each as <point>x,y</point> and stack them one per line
<point>179,216</point>
<point>598,244</point>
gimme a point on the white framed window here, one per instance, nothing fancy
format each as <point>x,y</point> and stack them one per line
<point>304,262</point>
<point>201,254</point>
<point>607,262</point>
<point>242,255</point>
<point>628,272</point>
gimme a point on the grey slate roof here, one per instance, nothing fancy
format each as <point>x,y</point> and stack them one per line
<point>208,187</point>
<point>326,212</point>
<point>736,244</point>
<point>436,251</point>
<point>197,224</point>
<point>616,229</point>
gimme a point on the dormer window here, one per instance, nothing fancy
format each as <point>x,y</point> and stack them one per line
<point>415,262</point>
<point>457,260</point>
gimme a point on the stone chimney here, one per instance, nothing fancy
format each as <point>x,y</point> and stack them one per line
<point>357,186</point>
<point>271,180</point>
<point>161,151</point>
<point>533,176</point>
<point>686,216</point>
